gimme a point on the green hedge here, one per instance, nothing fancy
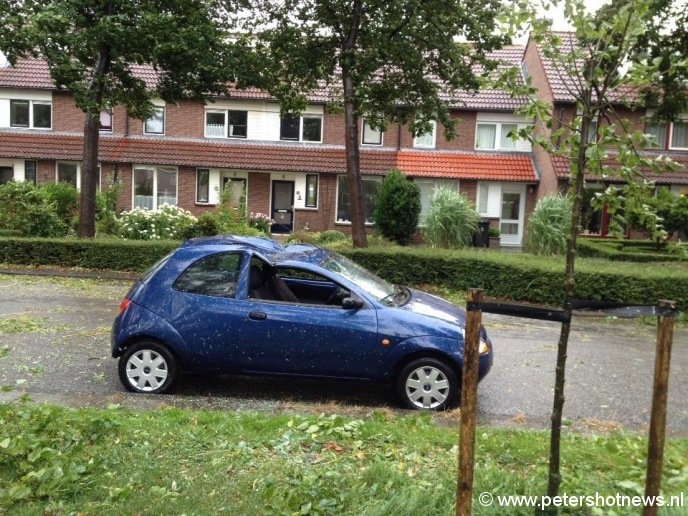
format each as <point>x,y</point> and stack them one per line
<point>506,275</point>
<point>526,277</point>
<point>117,255</point>
<point>624,250</point>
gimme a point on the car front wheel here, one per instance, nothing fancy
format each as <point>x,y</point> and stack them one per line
<point>147,367</point>
<point>428,384</point>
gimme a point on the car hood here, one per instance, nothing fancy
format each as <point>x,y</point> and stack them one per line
<point>422,303</point>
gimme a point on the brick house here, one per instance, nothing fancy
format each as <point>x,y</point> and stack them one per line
<point>671,137</point>
<point>291,168</point>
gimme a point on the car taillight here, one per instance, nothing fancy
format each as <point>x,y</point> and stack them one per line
<point>124,305</point>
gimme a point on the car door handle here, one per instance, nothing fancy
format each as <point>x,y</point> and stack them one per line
<point>258,316</point>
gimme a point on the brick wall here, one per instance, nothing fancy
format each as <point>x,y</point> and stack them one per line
<point>46,172</point>
<point>323,217</point>
<point>470,190</point>
<point>258,193</point>
<point>66,116</point>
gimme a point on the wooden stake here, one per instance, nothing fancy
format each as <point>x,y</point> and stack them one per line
<point>469,402</point>
<point>655,453</point>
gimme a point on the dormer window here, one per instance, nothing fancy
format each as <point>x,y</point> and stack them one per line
<point>156,123</point>
<point>220,123</point>
<point>30,114</point>
<point>306,128</point>
<point>105,123</point>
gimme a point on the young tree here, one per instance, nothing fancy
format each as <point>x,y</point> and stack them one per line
<point>396,61</point>
<point>598,63</point>
<point>93,48</point>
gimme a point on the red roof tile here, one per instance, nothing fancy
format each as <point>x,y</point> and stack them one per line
<point>563,85</point>
<point>272,156</point>
<point>676,177</point>
<point>34,73</point>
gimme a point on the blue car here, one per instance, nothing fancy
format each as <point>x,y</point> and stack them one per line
<point>244,305</point>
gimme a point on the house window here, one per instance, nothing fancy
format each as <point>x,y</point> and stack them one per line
<point>307,128</point>
<point>658,132</point>
<point>226,124</point>
<point>369,135</point>
<point>156,123</point>
<point>155,186</point>
<point>312,129</point>
<point>6,175</point>
<point>426,140</point>
<point>30,114</point>
<point>30,171</point>
<point>215,124</point>
<point>483,195</point>
<point>592,132</point>
<point>68,173</point>
<point>237,124</point>
<point>311,190</point>
<point>370,186</point>
<point>495,136</point>
<point>427,188</point>
<point>202,185</point>
<point>105,120</point>
<point>679,134</point>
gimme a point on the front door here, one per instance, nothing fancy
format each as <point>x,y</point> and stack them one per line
<point>283,206</point>
<point>513,212</point>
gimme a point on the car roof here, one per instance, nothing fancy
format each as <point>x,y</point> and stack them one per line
<point>270,249</point>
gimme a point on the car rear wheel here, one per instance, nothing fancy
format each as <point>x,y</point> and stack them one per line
<point>428,384</point>
<point>147,367</point>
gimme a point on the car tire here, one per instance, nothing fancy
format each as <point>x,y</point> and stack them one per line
<point>428,384</point>
<point>147,367</point>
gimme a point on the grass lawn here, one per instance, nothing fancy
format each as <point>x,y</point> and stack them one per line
<point>94,461</point>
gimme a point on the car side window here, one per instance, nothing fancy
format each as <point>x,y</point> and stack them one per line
<point>215,275</point>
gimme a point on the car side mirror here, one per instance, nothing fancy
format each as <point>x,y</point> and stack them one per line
<point>350,303</point>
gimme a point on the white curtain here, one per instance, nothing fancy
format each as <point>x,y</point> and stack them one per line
<point>485,138</point>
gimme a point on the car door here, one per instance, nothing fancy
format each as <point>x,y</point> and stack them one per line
<point>308,338</point>
<point>202,310</point>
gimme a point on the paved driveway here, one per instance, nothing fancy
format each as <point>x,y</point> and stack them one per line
<point>58,335</point>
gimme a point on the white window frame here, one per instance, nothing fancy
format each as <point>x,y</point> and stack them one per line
<point>433,136</point>
<point>31,114</point>
<point>317,192</point>
<point>196,195</point>
<point>684,120</point>
<point>112,121</point>
<point>497,121</point>
<point>155,169</point>
<point>78,173</point>
<point>364,123</point>
<point>222,112</point>
<point>347,222</point>
<point>164,122</point>
<point>436,183</point>
<point>301,140</point>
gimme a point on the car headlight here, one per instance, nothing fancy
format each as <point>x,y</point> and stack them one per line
<point>484,347</point>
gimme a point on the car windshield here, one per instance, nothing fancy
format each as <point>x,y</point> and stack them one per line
<point>364,279</point>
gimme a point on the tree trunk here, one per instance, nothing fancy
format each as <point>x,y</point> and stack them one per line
<point>353,167</point>
<point>89,163</point>
<point>89,169</point>
<point>576,184</point>
<point>351,134</point>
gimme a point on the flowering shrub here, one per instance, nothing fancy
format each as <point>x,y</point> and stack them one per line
<point>260,221</point>
<point>167,222</point>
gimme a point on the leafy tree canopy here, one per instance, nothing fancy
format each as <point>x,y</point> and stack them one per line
<point>404,57</point>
